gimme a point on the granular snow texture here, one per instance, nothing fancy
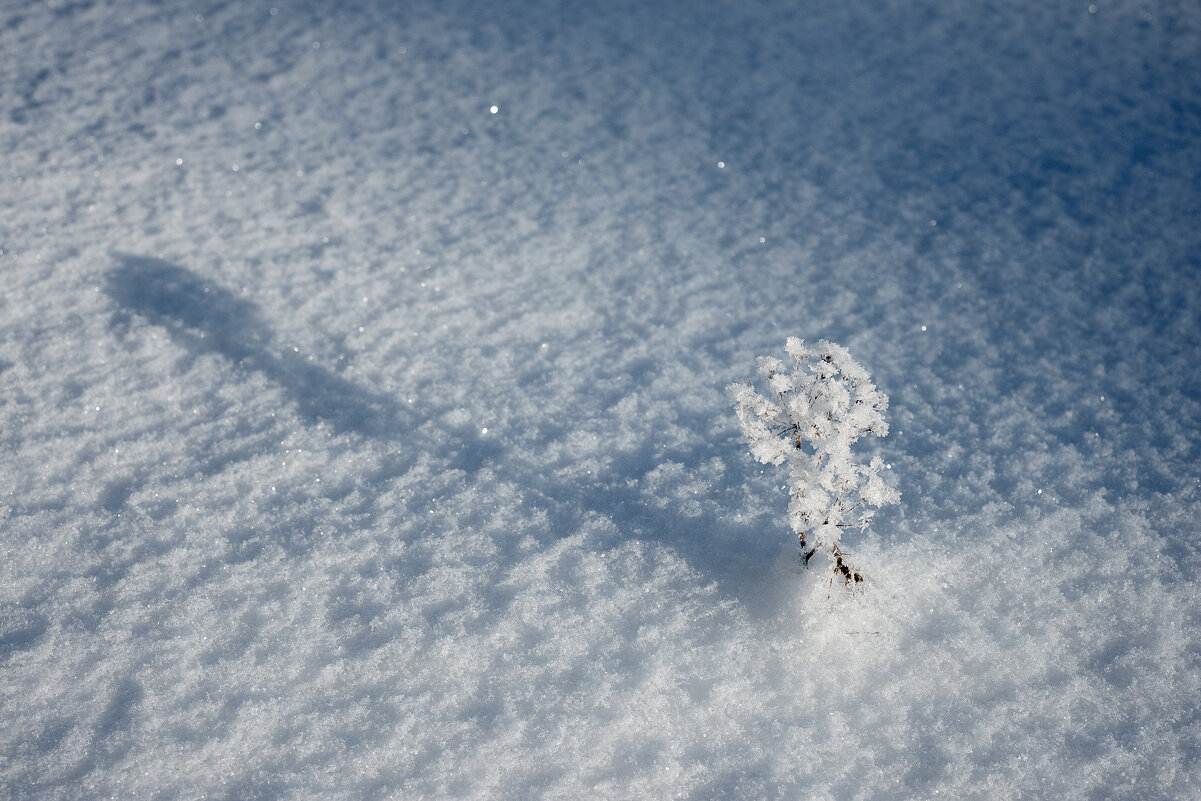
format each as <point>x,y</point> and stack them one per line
<point>362,414</point>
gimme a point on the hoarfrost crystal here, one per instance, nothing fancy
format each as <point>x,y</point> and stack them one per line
<point>809,417</point>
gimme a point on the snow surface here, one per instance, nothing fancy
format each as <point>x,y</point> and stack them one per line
<point>361,398</point>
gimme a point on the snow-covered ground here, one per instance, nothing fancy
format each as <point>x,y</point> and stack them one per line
<point>362,418</point>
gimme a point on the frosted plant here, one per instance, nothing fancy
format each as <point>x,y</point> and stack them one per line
<point>810,417</point>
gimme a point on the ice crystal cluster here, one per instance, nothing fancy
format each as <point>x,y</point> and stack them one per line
<point>809,417</point>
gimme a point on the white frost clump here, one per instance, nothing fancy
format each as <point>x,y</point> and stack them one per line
<point>810,417</point>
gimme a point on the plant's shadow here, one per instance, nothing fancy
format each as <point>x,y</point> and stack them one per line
<point>203,317</point>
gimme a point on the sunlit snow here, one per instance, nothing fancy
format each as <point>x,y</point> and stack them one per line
<point>362,414</point>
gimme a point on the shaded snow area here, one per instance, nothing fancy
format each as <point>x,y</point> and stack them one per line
<point>362,420</point>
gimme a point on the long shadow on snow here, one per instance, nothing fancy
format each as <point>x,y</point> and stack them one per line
<point>203,317</point>
<point>206,318</point>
